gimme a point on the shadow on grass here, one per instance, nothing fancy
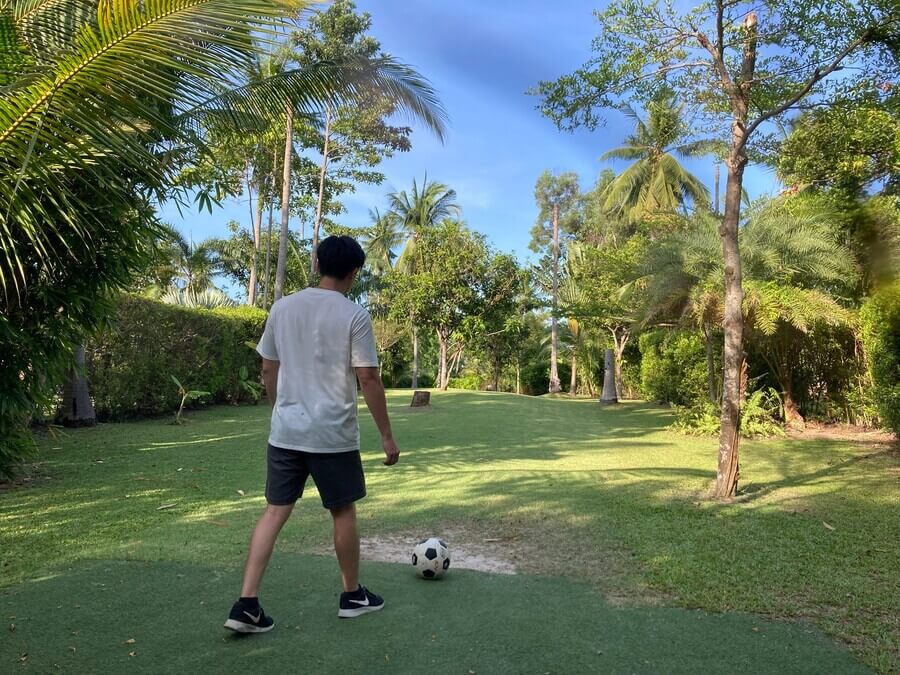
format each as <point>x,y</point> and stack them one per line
<point>113,617</point>
<point>605,495</point>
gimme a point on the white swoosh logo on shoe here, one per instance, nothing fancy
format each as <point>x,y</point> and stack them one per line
<point>254,618</point>
<point>364,603</point>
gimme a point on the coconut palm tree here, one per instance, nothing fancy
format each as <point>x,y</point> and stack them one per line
<point>656,181</point>
<point>102,104</point>
<point>421,208</point>
<point>193,265</point>
<point>385,235</point>
<point>399,85</point>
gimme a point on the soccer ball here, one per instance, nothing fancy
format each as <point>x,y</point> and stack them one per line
<point>431,558</point>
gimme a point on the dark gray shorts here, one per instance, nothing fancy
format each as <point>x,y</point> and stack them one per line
<point>338,476</point>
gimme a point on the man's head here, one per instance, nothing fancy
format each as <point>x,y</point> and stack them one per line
<point>340,257</point>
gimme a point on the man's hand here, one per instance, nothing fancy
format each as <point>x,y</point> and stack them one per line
<point>391,451</point>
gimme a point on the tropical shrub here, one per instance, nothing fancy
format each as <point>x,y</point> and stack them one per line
<point>673,367</point>
<point>131,363</point>
<point>470,381</point>
<point>760,416</point>
<point>880,324</point>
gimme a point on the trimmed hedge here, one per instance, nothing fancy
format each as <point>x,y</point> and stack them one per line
<point>880,323</point>
<point>131,363</point>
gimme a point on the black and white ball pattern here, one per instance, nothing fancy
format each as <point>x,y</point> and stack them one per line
<point>431,558</point>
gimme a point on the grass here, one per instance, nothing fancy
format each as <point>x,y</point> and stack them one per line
<point>604,496</point>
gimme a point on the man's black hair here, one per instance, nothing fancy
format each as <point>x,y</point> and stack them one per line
<point>339,257</point>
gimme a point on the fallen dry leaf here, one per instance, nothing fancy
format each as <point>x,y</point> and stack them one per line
<point>827,526</point>
<point>132,653</point>
<point>12,628</point>
<point>240,492</point>
<point>73,649</point>
<point>167,506</point>
<point>130,641</point>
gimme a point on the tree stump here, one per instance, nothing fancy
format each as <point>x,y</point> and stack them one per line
<point>421,399</point>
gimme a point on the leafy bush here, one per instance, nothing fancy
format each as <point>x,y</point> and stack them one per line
<point>131,363</point>
<point>536,376</point>
<point>760,416</point>
<point>880,323</point>
<point>470,381</point>
<point>673,367</point>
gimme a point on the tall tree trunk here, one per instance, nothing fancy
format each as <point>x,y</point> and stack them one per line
<point>710,363</point>
<point>573,381</point>
<point>620,340</point>
<point>729,437</point>
<point>443,375</point>
<point>77,409</point>
<point>415,347</point>
<point>518,377</point>
<point>716,191</point>
<point>285,205</point>
<point>253,287</point>
<point>555,385</point>
<point>321,199</point>
<point>269,236</point>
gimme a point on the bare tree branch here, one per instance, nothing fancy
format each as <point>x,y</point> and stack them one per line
<point>817,76</point>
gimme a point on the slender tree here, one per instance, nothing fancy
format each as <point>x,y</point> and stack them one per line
<point>557,199</point>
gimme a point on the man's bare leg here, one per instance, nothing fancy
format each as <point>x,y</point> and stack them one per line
<point>346,545</point>
<point>261,544</point>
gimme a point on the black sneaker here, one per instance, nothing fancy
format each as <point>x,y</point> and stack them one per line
<point>362,601</point>
<point>245,620</point>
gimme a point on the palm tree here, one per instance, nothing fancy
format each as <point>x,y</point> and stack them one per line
<point>194,265</point>
<point>102,102</point>
<point>423,207</point>
<point>397,83</point>
<point>383,238</point>
<point>210,298</point>
<point>795,270</point>
<point>656,181</point>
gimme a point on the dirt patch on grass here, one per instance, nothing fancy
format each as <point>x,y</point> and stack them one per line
<point>844,432</point>
<point>464,554</point>
<point>522,547</point>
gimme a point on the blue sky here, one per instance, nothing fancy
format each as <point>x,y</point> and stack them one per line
<point>482,56</point>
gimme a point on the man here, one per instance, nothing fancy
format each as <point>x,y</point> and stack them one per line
<point>315,346</point>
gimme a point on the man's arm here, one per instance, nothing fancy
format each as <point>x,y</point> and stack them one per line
<point>270,378</point>
<point>373,392</point>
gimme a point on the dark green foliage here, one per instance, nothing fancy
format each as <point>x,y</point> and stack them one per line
<point>880,323</point>
<point>535,376</point>
<point>673,367</point>
<point>760,416</point>
<point>61,303</point>
<point>130,364</point>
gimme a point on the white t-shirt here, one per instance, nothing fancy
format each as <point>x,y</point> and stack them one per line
<point>319,337</point>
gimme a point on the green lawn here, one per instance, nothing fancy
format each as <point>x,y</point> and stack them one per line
<point>604,511</point>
